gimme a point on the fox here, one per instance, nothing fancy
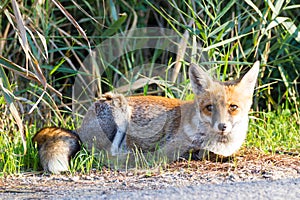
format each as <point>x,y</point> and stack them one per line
<point>215,121</point>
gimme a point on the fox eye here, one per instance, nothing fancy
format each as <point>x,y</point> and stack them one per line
<point>209,108</point>
<point>233,107</point>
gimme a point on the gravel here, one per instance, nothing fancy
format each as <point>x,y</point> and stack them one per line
<point>250,174</point>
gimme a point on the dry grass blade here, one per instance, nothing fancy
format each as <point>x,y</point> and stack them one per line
<point>44,43</point>
<point>21,31</point>
<point>26,74</point>
<point>72,20</point>
<point>180,53</point>
<point>18,70</point>
<point>140,83</point>
<point>86,13</point>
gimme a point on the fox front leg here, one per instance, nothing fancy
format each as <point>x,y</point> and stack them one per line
<point>114,112</point>
<point>119,143</point>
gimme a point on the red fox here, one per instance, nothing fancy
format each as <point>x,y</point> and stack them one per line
<point>215,121</point>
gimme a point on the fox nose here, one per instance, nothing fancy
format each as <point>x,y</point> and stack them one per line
<point>222,126</point>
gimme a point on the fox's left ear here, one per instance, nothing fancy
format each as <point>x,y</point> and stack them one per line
<point>249,79</point>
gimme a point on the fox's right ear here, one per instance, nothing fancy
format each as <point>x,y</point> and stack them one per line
<point>200,80</point>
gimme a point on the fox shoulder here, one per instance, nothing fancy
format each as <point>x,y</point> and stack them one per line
<point>56,146</point>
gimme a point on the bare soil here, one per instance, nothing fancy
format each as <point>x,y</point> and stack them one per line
<point>247,165</point>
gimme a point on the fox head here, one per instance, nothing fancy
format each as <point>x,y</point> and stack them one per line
<point>222,109</point>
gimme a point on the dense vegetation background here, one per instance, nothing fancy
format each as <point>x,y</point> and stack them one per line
<point>43,44</point>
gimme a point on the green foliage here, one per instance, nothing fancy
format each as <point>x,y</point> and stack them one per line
<point>275,131</point>
<point>12,160</point>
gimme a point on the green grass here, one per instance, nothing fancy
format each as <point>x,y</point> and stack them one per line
<point>275,131</point>
<point>13,160</point>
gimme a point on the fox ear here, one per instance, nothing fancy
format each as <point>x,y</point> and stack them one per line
<point>249,79</point>
<point>200,80</point>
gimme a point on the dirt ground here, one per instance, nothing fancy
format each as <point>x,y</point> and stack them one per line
<point>247,165</point>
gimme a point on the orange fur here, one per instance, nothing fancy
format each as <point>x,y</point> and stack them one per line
<point>216,121</point>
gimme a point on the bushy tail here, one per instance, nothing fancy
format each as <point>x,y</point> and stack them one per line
<point>56,146</point>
